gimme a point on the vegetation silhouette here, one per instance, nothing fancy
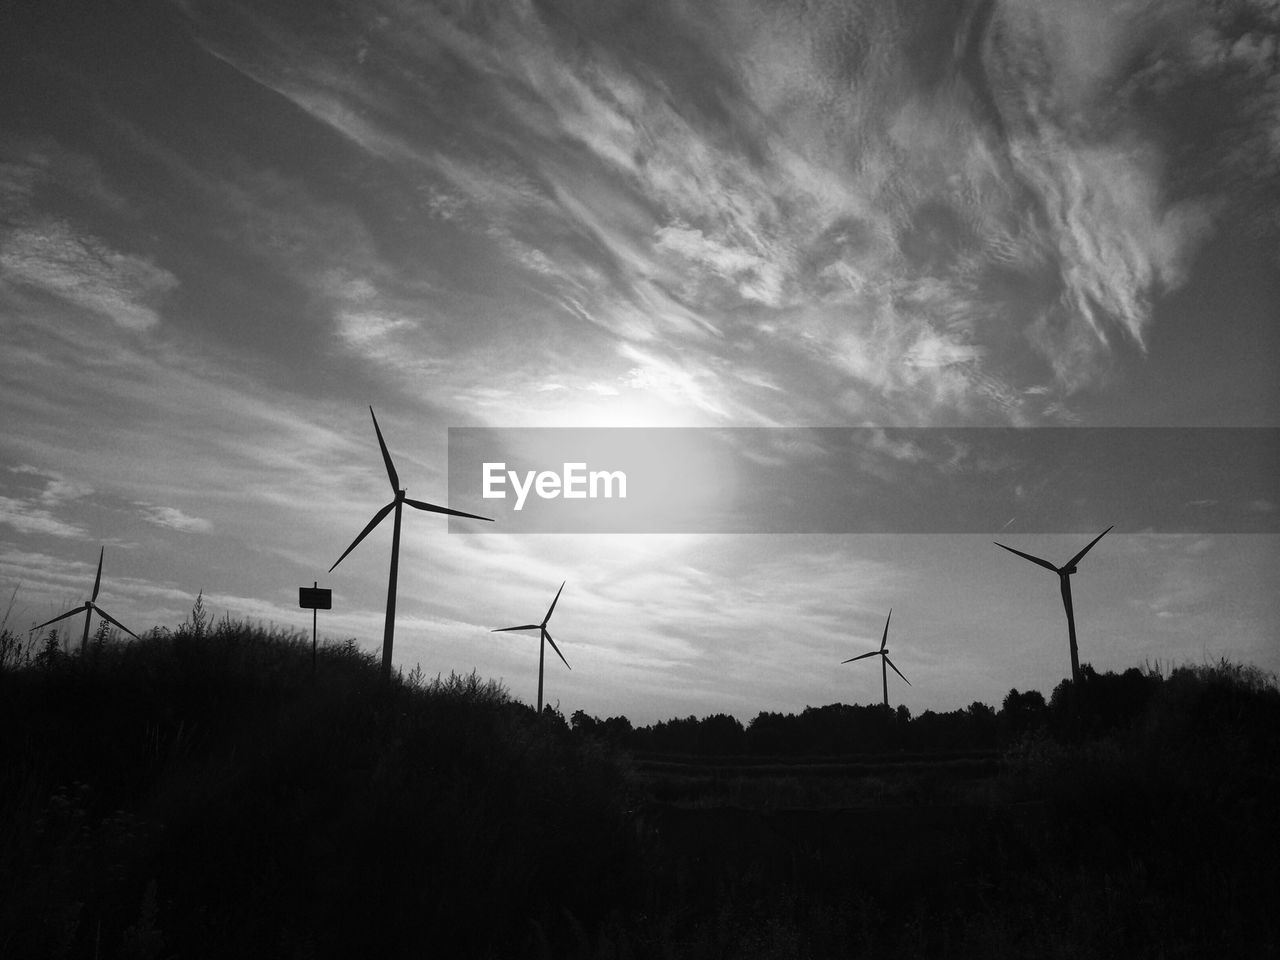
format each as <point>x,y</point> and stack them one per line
<point>198,793</point>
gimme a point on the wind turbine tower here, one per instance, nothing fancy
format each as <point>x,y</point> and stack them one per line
<point>542,645</point>
<point>1064,573</point>
<point>397,503</point>
<point>883,654</point>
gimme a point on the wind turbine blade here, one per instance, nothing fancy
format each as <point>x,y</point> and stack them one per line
<point>1026,556</point>
<point>377,519</point>
<point>386,458</point>
<point>432,508</point>
<point>553,605</point>
<point>97,581</point>
<point>1076,559</point>
<point>106,616</point>
<point>555,648</point>
<point>527,626</point>
<point>885,638</point>
<point>863,656</point>
<point>61,616</point>
<point>896,670</point>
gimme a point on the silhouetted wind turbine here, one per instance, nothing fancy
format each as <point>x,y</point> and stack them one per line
<point>396,504</point>
<point>883,654</point>
<point>1064,579</point>
<point>89,607</point>
<point>542,646</point>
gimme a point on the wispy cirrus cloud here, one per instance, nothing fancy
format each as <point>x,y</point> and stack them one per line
<point>58,488</point>
<point>174,519</point>
<point>916,220</point>
<point>36,512</point>
<point>58,257</point>
<point>76,266</point>
<point>25,517</point>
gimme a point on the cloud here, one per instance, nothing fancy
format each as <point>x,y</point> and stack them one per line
<point>174,519</point>
<point>894,214</point>
<point>1118,245</point>
<point>58,488</point>
<point>26,518</point>
<point>672,381</point>
<point>34,513</point>
<point>83,270</point>
<point>362,329</point>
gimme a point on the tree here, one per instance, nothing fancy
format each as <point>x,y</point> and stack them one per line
<point>1021,713</point>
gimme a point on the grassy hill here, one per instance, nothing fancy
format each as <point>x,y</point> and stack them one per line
<point>203,794</point>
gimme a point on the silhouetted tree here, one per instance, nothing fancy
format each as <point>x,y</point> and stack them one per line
<point>552,716</point>
<point>717,734</point>
<point>1022,713</point>
<point>616,730</point>
<point>982,723</point>
<point>767,734</point>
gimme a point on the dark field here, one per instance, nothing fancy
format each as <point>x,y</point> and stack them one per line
<point>201,794</point>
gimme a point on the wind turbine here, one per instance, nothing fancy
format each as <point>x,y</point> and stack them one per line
<point>883,654</point>
<point>542,646</point>
<point>397,503</point>
<point>1064,579</point>
<point>90,606</point>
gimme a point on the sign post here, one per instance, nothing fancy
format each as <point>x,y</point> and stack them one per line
<point>313,598</point>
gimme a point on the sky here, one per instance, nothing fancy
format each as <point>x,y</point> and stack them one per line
<point>229,229</point>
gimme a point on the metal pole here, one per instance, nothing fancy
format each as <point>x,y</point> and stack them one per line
<point>88,614</point>
<point>388,631</point>
<point>542,650</point>
<point>314,584</point>
<point>1071,627</point>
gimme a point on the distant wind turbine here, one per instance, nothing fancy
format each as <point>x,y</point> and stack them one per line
<point>883,654</point>
<point>396,504</point>
<point>90,606</point>
<point>1064,579</point>
<point>542,646</point>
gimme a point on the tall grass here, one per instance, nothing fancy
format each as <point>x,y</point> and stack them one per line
<point>200,792</point>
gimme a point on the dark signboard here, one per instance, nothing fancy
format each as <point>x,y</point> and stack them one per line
<point>315,598</point>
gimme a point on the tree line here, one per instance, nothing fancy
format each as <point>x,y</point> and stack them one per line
<point>1099,704</point>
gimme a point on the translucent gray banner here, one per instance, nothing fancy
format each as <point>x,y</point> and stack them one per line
<point>865,480</point>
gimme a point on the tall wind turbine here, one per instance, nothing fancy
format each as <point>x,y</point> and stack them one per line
<point>1064,573</point>
<point>90,606</point>
<point>398,501</point>
<point>883,654</point>
<point>542,645</point>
